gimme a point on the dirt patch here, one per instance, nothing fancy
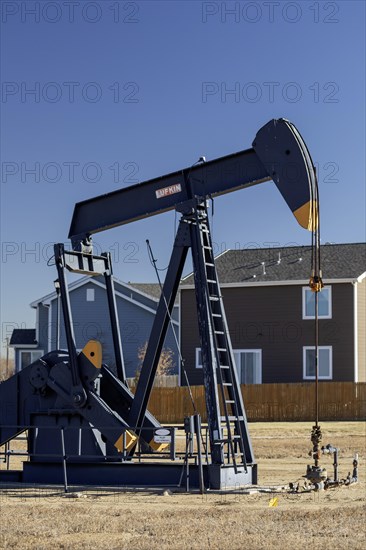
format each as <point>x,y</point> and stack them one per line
<point>43,518</point>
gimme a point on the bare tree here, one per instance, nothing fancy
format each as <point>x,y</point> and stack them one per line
<point>165,365</point>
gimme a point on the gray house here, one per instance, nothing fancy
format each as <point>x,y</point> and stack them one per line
<point>270,313</point>
<point>136,305</point>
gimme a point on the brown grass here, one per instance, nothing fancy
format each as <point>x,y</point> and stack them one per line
<point>6,370</point>
<point>334,519</point>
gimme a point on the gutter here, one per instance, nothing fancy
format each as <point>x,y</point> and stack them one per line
<point>300,282</point>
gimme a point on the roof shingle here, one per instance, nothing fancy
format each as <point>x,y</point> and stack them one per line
<point>338,261</point>
<point>151,289</point>
<point>23,337</point>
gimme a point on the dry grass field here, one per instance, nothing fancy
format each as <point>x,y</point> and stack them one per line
<point>333,519</point>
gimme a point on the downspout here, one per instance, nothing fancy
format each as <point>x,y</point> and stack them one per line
<point>355,331</point>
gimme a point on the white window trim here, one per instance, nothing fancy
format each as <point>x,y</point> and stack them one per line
<point>330,377</point>
<point>304,316</point>
<point>31,351</point>
<point>198,365</point>
<point>245,350</point>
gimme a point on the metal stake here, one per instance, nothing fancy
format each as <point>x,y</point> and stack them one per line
<point>197,421</point>
<point>64,460</point>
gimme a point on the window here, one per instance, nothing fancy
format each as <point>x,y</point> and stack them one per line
<point>325,363</point>
<point>324,303</point>
<point>28,357</point>
<point>248,364</point>
<point>90,294</point>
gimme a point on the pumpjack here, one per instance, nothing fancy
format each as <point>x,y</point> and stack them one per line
<point>78,415</point>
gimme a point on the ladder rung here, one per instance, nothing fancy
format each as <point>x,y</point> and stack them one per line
<point>214,298</point>
<point>227,384</point>
<point>209,264</point>
<point>211,281</point>
<point>232,418</point>
<point>207,247</point>
<point>224,367</point>
<point>221,349</point>
<point>216,315</point>
<point>219,332</point>
<point>229,401</point>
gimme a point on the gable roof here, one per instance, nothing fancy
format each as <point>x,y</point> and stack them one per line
<point>152,291</point>
<point>23,337</point>
<point>145,289</point>
<point>138,293</point>
<point>266,265</point>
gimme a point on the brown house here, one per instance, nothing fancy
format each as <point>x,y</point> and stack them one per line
<point>270,313</point>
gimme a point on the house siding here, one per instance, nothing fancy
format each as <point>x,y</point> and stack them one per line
<point>133,294</point>
<point>361,329</point>
<point>91,321</point>
<point>270,319</point>
<point>43,313</point>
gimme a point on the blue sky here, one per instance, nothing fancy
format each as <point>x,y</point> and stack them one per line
<point>126,91</point>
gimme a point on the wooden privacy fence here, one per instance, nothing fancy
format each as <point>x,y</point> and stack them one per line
<point>270,402</point>
<point>160,381</point>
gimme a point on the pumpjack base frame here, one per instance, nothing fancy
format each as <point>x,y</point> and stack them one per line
<point>131,475</point>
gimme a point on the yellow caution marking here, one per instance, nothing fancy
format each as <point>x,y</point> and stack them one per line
<point>158,446</point>
<point>273,502</point>
<point>93,352</point>
<point>307,215</point>
<point>129,441</point>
